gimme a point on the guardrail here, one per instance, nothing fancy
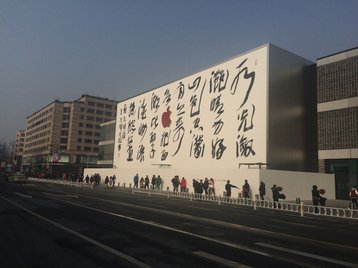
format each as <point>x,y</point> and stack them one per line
<point>63,182</point>
<point>300,208</point>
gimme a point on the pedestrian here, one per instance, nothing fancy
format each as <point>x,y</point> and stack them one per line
<point>110,182</point>
<point>158,183</point>
<point>154,182</point>
<point>135,180</point>
<point>183,185</point>
<point>87,179</point>
<point>146,182</point>
<point>141,182</point>
<point>175,182</point>
<point>315,197</point>
<point>275,196</point>
<point>353,194</point>
<point>228,187</point>
<point>106,180</point>
<point>246,189</point>
<point>262,190</point>
<point>211,187</point>
<point>114,180</point>
<point>206,185</point>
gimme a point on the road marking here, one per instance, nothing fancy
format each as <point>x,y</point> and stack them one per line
<point>23,195</point>
<point>305,254</point>
<point>294,223</point>
<point>202,208</point>
<point>61,195</point>
<point>219,260</point>
<point>86,238</point>
<point>225,243</point>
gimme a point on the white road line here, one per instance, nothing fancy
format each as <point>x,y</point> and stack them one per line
<point>225,243</point>
<point>305,254</point>
<point>202,208</point>
<point>294,223</point>
<point>219,260</point>
<point>23,195</point>
<point>86,238</point>
<point>61,195</point>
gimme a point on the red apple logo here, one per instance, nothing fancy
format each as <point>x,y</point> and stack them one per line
<point>166,121</point>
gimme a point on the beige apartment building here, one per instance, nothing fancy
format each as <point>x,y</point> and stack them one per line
<point>337,96</point>
<point>63,137</point>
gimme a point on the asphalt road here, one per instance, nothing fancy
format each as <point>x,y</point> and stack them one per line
<point>44,225</point>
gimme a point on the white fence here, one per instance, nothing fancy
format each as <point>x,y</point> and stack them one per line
<point>299,209</point>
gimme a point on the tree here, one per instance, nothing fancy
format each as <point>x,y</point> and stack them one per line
<point>6,151</point>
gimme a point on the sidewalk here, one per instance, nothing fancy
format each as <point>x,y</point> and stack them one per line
<point>334,203</point>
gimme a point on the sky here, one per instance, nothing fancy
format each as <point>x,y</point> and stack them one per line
<point>60,49</point>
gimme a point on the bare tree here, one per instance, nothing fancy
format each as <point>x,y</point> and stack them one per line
<point>6,151</point>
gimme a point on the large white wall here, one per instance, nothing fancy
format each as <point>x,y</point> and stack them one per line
<point>218,119</point>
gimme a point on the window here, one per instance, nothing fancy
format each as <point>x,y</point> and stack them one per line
<point>66,109</point>
<point>80,124</point>
<point>108,106</point>
<point>80,132</point>
<point>88,141</point>
<point>99,119</point>
<point>90,118</point>
<point>91,103</point>
<point>66,117</point>
<point>87,148</point>
<point>65,125</point>
<point>108,113</point>
<point>90,111</point>
<point>78,148</point>
<point>89,125</point>
<point>79,140</point>
<point>89,133</point>
<point>99,112</point>
<point>100,104</point>
<point>82,109</point>
<point>64,133</point>
<point>63,140</point>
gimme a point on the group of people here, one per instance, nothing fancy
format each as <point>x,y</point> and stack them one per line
<point>206,186</point>
<point>110,182</point>
<point>179,183</point>
<point>155,183</point>
<point>94,179</point>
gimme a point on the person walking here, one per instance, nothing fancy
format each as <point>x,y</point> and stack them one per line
<point>135,180</point>
<point>146,182</point>
<point>315,197</point>
<point>176,183</point>
<point>275,196</point>
<point>228,187</point>
<point>211,187</point>
<point>353,195</point>
<point>206,185</point>
<point>246,189</point>
<point>262,190</point>
<point>183,185</point>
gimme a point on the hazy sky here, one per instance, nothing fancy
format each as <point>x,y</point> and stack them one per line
<point>116,49</point>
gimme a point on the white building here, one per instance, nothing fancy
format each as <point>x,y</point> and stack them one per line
<point>251,117</point>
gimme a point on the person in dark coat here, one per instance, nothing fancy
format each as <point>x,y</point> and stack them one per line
<point>315,197</point>
<point>228,187</point>
<point>262,190</point>
<point>275,195</point>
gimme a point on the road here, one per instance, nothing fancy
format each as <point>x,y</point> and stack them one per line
<point>45,225</point>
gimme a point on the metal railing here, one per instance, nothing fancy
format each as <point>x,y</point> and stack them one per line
<point>63,182</point>
<point>297,208</point>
